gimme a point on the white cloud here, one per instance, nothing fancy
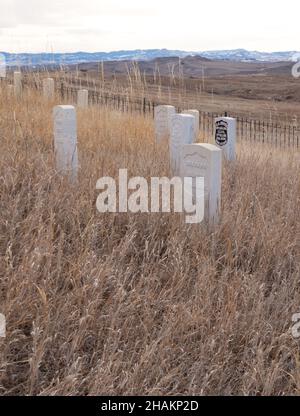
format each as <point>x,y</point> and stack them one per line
<point>94,25</point>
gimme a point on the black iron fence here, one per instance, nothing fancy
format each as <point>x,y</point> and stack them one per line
<point>253,130</point>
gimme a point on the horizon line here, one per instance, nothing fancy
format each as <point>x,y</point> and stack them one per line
<point>150,49</point>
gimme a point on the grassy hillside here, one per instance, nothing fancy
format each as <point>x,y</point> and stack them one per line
<point>142,304</point>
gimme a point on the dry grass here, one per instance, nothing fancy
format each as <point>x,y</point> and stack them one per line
<point>142,304</point>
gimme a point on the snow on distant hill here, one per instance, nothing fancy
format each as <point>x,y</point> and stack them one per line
<point>244,55</point>
<point>37,59</point>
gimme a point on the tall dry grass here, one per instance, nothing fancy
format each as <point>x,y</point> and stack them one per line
<point>142,304</point>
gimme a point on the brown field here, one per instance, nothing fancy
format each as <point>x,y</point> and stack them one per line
<point>257,90</point>
<point>143,304</point>
<point>253,89</point>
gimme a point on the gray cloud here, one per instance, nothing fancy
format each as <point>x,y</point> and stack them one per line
<point>66,13</point>
<point>7,14</point>
<point>85,31</point>
<point>129,24</point>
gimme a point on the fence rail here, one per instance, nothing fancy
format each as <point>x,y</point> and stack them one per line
<point>253,130</point>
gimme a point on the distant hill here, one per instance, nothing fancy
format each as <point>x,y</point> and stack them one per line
<point>190,67</point>
<point>236,55</point>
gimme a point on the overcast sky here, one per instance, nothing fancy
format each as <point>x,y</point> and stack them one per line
<point>106,25</point>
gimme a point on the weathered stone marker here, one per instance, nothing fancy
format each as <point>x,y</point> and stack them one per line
<point>163,118</point>
<point>196,114</point>
<point>225,136</point>
<point>10,90</point>
<point>48,88</point>
<point>65,140</point>
<point>2,66</point>
<point>205,160</point>
<point>182,132</point>
<point>83,99</point>
<point>18,83</point>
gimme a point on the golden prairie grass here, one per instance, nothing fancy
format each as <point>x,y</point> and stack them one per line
<point>221,95</point>
<point>142,304</point>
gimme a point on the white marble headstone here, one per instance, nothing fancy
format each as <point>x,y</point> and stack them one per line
<point>204,160</point>
<point>10,90</point>
<point>18,83</point>
<point>48,88</point>
<point>82,98</point>
<point>225,136</point>
<point>162,118</point>
<point>196,114</point>
<point>65,140</point>
<point>182,132</point>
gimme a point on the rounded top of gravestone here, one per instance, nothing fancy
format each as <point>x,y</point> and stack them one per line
<point>183,115</point>
<point>225,118</point>
<point>64,107</point>
<point>208,146</point>
<point>166,106</point>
